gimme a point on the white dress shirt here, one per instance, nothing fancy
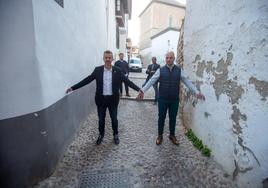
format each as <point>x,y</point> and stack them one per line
<point>156,76</point>
<point>107,82</point>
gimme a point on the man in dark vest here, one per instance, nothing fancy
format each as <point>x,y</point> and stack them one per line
<point>150,71</point>
<point>108,79</point>
<point>123,65</point>
<point>169,77</point>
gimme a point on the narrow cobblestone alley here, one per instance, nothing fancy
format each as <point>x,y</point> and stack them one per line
<point>147,164</point>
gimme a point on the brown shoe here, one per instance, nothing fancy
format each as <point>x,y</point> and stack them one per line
<point>159,140</point>
<point>174,140</point>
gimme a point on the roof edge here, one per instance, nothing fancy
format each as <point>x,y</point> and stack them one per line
<point>164,31</point>
<point>157,1</point>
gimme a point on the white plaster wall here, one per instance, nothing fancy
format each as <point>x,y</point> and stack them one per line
<point>236,32</point>
<point>70,42</point>
<point>19,78</point>
<point>50,48</point>
<point>160,45</point>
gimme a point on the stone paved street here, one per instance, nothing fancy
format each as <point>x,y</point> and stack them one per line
<point>166,165</point>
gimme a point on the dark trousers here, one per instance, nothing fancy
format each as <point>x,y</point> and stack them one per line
<point>172,107</point>
<point>112,107</point>
<point>155,86</point>
<point>121,88</point>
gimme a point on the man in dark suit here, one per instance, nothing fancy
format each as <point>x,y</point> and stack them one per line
<point>123,65</point>
<point>150,71</point>
<point>108,79</point>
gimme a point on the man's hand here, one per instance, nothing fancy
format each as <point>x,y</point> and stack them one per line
<point>69,90</point>
<point>140,95</point>
<point>200,96</point>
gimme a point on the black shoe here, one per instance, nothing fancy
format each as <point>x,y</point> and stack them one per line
<point>116,139</point>
<point>128,95</point>
<point>99,140</point>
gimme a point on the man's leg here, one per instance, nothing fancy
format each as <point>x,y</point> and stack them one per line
<point>101,114</point>
<point>172,112</point>
<point>113,114</point>
<point>126,88</point>
<point>121,88</point>
<point>162,112</point>
<point>155,86</point>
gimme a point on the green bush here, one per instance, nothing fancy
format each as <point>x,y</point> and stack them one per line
<point>198,143</point>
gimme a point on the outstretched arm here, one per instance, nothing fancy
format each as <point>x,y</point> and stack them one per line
<point>82,83</point>
<point>191,86</point>
<point>128,82</point>
<point>148,84</point>
<point>151,81</point>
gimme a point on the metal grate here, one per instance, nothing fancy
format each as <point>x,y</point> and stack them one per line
<point>119,178</point>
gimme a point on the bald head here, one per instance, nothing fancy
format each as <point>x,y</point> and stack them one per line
<point>170,57</point>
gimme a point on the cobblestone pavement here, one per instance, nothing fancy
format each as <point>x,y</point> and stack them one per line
<point>166,165</point>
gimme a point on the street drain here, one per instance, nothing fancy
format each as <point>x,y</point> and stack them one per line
<point>107,178</point>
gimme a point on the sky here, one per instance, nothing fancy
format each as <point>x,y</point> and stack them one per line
<point>133,25</point>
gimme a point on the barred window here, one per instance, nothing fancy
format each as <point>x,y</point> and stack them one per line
<point>60,2</point>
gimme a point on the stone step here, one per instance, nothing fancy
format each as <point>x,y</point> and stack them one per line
<point>134,98</point>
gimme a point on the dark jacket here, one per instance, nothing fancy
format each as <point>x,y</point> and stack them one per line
<point>123,65</point>
<point>151,67</point>
<point>117,78</point>
<point>169,87</point>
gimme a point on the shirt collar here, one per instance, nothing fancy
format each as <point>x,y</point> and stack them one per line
<point>105,69</point>
<point>170,66</point>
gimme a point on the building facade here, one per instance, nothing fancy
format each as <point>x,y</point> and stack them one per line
<point>166,40</point>
<point>123,14</point>
<point>156,17</point>
<point>46,47</point>
<point>226,55</point>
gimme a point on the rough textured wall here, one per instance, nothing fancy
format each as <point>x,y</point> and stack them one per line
<point>226,54</point>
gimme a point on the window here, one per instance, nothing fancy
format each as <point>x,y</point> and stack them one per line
<point>60,2</point>
<point>170,21</point>
<point>118,5</point>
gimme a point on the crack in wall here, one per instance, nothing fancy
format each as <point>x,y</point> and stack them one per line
<point>245,148</point>
<point>239,170</point>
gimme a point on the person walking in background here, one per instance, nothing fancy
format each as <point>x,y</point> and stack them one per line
<point>150,71</point>
<point>123,65</point>
<point>108,80</point>
<point>169,77</point>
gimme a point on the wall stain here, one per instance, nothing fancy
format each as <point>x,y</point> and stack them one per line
<point>236,116</point>
<point>261,86</point>
<point>200,68</point>
<point>221,84</point>
<point>230,87</point>
<point>206,114</point>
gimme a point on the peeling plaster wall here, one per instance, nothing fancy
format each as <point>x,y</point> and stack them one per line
<point>226,55</point>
